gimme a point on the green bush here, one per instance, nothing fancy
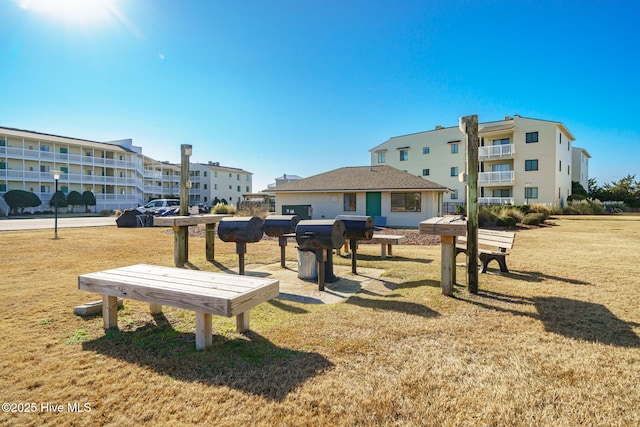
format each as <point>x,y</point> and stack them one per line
<point>486,217</point>
<point>512,212</point>
<point>20,199</point>
<point>535,218</point>
<point>543,209</point>
<point>506,221</point>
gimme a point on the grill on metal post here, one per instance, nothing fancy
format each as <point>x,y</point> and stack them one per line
<point>241,230</point>
<point>279,226</point>
<point>321,236</point>
<point>358,228</point>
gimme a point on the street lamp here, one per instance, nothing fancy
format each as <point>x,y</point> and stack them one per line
<point>56,177</point>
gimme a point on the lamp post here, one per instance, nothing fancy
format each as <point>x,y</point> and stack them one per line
<point>56,177</point>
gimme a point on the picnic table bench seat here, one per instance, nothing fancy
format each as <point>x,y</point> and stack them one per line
<point>204,292</point>
<point>386,242</point>
<point>492,245</point>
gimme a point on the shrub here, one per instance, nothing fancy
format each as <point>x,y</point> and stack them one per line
<point>540,208</point>
<point>534,218</point>
<point>105,212</point>
<point>512,212</point>
<point>506,221</point>
<point>485,216</point>
<point>20,199</point>
<point>223,208</point>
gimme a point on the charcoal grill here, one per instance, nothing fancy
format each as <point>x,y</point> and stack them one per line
<point>280,226</point>
<point>357,228</point>
<point>241,230</point>
<point>321,236</point>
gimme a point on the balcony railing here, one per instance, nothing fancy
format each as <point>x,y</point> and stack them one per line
<point>495,178</point>
<point>489,152</point>
<point>493,201</point>
<point>50,156</point>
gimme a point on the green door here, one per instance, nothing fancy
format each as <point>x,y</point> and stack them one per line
<point>374,204</point>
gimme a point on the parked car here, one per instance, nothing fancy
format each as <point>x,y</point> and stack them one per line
<point>158,206</point>
<point>203,208</point>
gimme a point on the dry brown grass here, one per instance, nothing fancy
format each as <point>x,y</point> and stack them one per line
<point>555,342</point>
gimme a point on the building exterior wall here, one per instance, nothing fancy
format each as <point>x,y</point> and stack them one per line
<point>504,177</point>
<point>326,205</point>
<point>216,181</point>
<point>580,167</point>
<point>116,172</point>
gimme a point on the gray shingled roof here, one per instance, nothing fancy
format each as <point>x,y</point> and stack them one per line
<point>360,178</point>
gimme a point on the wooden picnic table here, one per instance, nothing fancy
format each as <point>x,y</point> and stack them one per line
<point>180,225</point>
<point>204,292</point>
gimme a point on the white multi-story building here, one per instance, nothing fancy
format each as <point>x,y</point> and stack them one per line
<point>521,160</point>
<point>211,181</point>
<point>580,166</point>
<point>116,172</point>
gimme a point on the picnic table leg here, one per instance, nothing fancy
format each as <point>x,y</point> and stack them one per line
<point>180,245</point>
<point>110,311</point>
<point>203,331</point>
<point>242,321</point>
<point>155,308</point>
<point>448,264</point>
<point>210,236</point>
<point>383,251</point>
<point>389,246</point>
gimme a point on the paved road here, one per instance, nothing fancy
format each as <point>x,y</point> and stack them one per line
<point>40,223</point>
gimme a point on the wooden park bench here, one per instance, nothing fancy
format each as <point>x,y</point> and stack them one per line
<point>385,240</point>
<point>204,292</point>
<point>492,245</point>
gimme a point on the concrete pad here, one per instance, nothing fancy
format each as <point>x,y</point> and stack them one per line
<point>348,284</point>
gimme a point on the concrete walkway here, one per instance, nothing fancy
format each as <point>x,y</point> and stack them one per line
<point>348,284</point>
<point>43,223</point>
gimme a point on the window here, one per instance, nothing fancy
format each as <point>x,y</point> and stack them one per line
<point>559,165</point>
<point>64,169</point>
<point>45,189</point>
<point>238,189</point>
<point>503,141</point>
<point>531,165</point>
<point>425,150</point>
<point>64,150</point>
<point>3,142</point>
<point>238,177</point>
<point>89,172</point>
<point>215,186</point>
<point>205,186</point>
<point>44,168</point>
<point>454,171</point>
<point>560,138</point>
<point>568,170</point>
<point>349,202</point>
<point>44,148</point>
<point>215,174</point>
<point>454,195</point>
<point>247,188</point>
<point>64,188</point>
<point>405,202</point>
<point>204,173</point>
<point>230,175</point>
<point>531,137</point>
<point>404,155</point>
<point>382,157</point>
<point>3,165</point>
<point>501,192</point>
<point>3,187</point>
<point>454,148</point>
<point>531,192</point>
<point>230,187</point>
<point>425,172</point>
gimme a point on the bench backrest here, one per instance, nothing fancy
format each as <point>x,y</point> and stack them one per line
<point>493,239</point>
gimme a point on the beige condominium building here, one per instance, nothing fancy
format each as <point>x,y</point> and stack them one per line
<point>212,180</point>
<point>521,161</point>
<point>116,172</point>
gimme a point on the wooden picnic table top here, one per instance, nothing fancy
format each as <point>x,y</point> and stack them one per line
<point>186,220</point>
<point>206,292</point>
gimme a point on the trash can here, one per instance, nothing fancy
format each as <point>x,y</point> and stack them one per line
<point>307,265</point>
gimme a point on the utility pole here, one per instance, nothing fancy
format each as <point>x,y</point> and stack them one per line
<point>469,126</point>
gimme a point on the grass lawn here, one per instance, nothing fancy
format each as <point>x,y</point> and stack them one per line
<point>554,342</point>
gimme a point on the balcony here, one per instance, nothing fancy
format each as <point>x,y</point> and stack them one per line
<point>494,152</point>
<point>495,201</point>
<point>495,178</point>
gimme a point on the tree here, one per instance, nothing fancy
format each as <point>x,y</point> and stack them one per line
<point>20,199</point>
<point>74,199</point>
<point>626,190</point>
<point>58,199</point>
<point>88,199</point>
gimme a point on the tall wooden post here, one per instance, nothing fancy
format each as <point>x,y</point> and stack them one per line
<point>181,239</point>
<point>469,125</point>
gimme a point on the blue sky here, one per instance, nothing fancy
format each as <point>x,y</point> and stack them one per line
<point>303,87</point>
